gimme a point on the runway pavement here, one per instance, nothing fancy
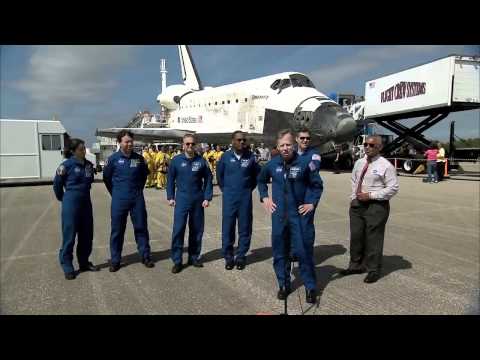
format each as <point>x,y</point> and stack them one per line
<point>431,262</point>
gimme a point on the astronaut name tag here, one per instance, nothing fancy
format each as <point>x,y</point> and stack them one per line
<point>232,160</point>
<point>294,171</point>
<point>121,161</point>
<point>184,164</point>
<point>245,163</point>
<point>133,163</point>
<point>279,169</point>
<point>196,166</point>
<point>77,170</point>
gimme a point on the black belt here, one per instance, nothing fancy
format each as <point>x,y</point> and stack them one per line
<point>356,202</point>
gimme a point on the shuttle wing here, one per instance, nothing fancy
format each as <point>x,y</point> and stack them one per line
<point>189,71</point>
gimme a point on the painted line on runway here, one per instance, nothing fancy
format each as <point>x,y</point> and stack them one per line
<point>25,239</point>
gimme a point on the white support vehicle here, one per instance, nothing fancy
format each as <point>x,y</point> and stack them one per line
<point>30,149</point>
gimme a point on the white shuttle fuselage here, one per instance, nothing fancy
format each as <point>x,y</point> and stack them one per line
<point>260,107</point>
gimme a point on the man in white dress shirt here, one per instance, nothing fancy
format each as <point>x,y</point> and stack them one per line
<point>374,183</point>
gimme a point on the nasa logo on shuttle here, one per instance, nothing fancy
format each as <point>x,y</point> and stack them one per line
<point>372,85</point>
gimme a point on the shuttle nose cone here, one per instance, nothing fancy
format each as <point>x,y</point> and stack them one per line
<point>346,127</point>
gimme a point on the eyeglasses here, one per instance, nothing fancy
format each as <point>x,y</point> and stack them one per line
<point>189,144</point>
<point>369,145</point>
<point>305,138</point>
<point>241,140</point>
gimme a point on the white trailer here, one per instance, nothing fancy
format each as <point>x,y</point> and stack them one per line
<point>452,82</point>
<point>434,90</point>
<point>30,149</point>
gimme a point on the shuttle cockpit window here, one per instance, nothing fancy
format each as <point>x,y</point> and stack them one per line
<point>281,84</point>
<point>285,84</point>
<point>275,84</point>
<point>299,80</point>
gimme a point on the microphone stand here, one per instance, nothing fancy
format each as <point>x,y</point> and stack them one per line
<point>286,169</point>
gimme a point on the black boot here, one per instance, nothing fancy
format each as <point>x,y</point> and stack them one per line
<point>372,277</point>
<point>195,263</point>
<point>241,263</point>
<point>311,296</point>
<point>114,267</point>
<point>89,267</point>
<point>229,265</point>
<point>283,292</point>
<point>70,275</point>
<point>148,263</point>
<point>177,268</point>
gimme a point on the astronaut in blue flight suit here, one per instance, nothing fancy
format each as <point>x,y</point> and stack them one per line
<point>308,154</point>
<point>124,175</point>
<point>189,190</point>
<point>75,175</point>
<point>296,191</point>
<point>237,173</point>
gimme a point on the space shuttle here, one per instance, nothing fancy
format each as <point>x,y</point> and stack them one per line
<point>260,107</point>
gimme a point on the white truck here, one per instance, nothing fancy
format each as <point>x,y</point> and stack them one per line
<point>30,149</point>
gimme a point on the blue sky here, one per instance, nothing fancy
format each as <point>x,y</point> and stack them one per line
<point>97,86</point>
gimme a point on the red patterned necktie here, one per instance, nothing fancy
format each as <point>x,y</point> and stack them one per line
<point>364,171</point>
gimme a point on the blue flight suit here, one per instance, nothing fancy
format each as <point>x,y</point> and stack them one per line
<point>189,184</point>
<point>237,178</point>
<point>293,184</point>
<point>125,179</point>
<point>310,155</point>
<point>76,178</point>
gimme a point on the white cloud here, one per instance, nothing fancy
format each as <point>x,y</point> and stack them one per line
<point>61,76</point>
<point>367,59</point>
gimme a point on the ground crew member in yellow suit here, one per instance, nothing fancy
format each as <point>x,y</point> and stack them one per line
<point>151,179</point>
<point>209,156</point>
<point>161,165</point>
<point>154,153</point>
<point>216,157</point>
<point>148,159</point>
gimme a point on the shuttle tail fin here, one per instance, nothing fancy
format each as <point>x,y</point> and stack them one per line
<point>189,71</point>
